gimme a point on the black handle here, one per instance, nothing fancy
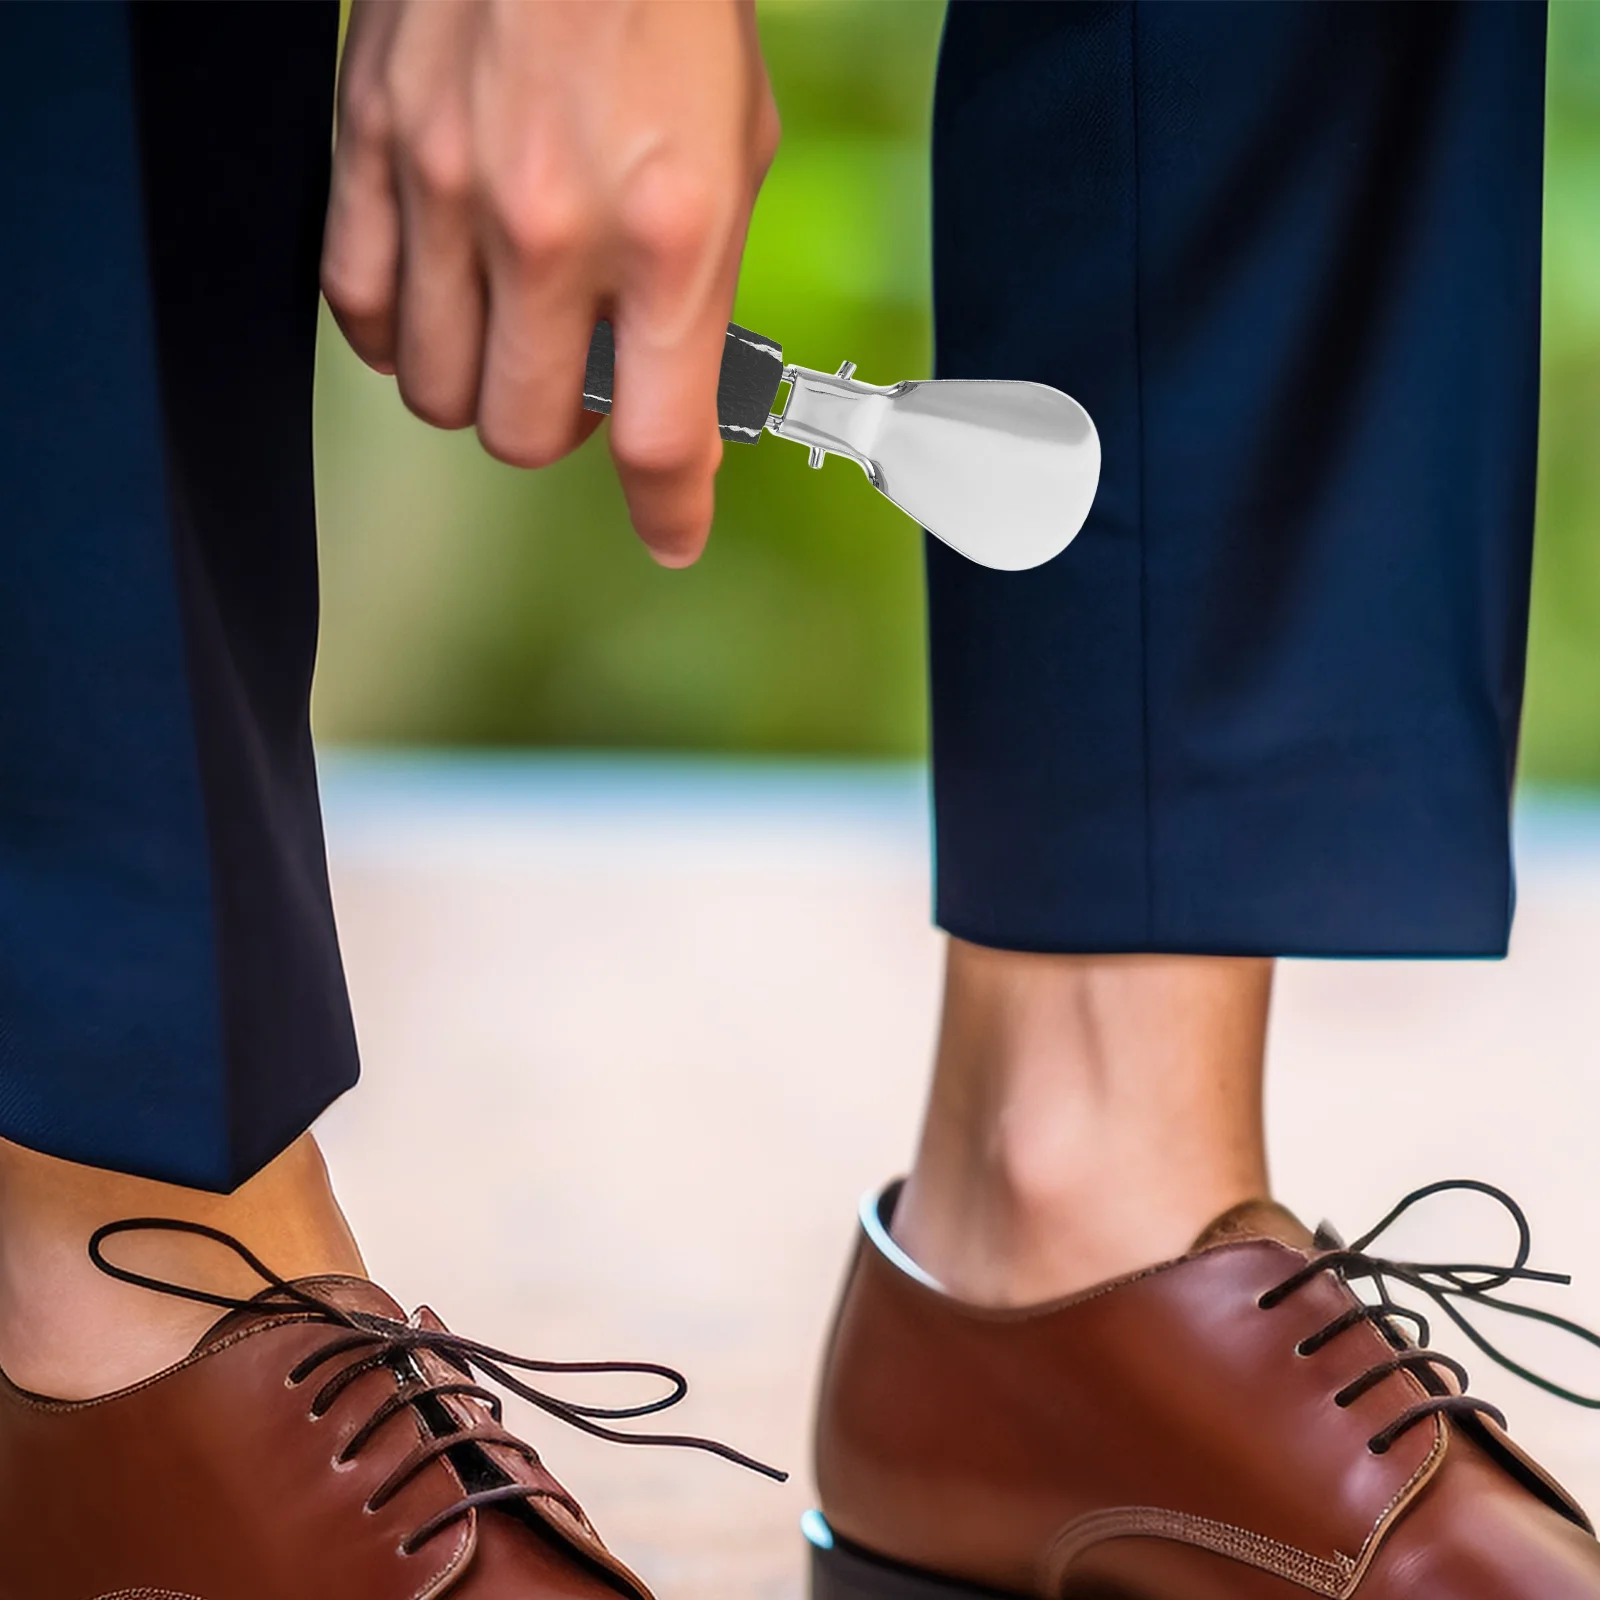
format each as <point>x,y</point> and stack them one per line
<point>752,368</point>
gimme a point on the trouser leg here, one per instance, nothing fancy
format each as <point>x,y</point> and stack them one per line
<point>172,1002</point>
<point>1288,256</point>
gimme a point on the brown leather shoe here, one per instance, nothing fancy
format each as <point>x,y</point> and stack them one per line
<point>317,1445</point>
<point>1233,1425</point>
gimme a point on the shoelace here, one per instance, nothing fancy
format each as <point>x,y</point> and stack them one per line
<point>1445,1283</point>
<point>388,1343</point>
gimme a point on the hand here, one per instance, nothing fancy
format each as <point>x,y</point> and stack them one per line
<point>509,171</point>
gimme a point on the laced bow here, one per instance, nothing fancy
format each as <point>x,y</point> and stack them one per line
<point>378,1341</point>
<point>1448,1285</point>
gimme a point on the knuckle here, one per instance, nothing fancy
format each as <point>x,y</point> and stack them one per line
<point>400,83</point>
<point>768,134</point>
<point>542,226</point>
<point>661,455</point>
<point>440,163</point>
<point>364,112</point>
<point>670,218</point>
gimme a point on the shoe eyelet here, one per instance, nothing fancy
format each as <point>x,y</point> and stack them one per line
<point>1301,1351</point>
<point>1375,1449</point>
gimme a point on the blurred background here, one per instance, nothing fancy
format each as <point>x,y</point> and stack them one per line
<point>468,604</point>
<point>471,604</point>
<point>635,861</point>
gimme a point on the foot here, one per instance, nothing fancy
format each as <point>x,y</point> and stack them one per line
<point>317,1441</point>
<point>1234,1424</point>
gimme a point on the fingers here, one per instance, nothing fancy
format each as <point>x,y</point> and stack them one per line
<point>440,319</point>
<point>441,311</point>
<point>361,248</point>
<point>506,171</point>
<point>680,243</point>
<point>680,239</point>
<point>541,316</point>
<point>664,436</point>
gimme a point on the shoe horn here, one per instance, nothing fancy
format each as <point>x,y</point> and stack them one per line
<point>1004,472</point>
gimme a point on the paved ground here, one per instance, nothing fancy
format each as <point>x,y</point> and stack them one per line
<point>638,1036</point>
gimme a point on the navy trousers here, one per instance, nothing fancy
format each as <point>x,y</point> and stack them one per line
<point>171,997</point>
<point>1288,256</point>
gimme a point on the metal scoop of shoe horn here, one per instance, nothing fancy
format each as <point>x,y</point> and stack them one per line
<point>1005,472</point>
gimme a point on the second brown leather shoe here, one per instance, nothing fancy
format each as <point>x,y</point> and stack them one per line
<point>319,1444</point>
<point>1233,1425</point>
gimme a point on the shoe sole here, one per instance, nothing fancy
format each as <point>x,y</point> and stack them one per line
<point>843,1571</point>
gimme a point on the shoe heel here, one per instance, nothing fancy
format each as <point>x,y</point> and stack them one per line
<point>840,1571</point>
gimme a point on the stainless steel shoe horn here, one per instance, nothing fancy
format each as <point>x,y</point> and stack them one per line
<point>1005,472</point>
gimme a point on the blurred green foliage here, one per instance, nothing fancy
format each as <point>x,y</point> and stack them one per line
<point>1561,731</point>
<point>467,603</point>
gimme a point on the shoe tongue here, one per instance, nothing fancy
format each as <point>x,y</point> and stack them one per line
<point>348,1294</point>
<point>1256,1219</point>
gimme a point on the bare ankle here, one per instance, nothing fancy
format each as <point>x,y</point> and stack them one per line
<point>988,1241</point>
<point>1088,1116</point>
<point>68,1330</point>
